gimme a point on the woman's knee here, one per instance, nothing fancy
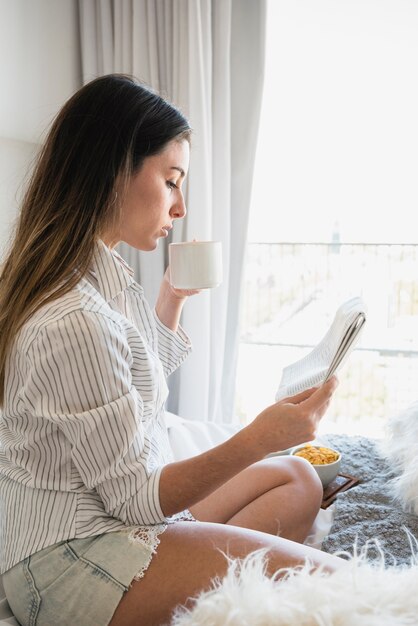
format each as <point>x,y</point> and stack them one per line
<point>300,476</point>
<point>294,469</point>
<point>304,475</point>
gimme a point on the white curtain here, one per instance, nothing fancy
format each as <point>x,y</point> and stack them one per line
<point>206,56</point>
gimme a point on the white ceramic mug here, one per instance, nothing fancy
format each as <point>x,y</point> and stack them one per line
<point>195,264</point>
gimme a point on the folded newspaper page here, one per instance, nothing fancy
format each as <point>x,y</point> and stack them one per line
<point>329,355</point>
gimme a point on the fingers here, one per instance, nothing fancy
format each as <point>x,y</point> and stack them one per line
<point>299,397</point>
<point>304,395</point>
<point>321,395</point>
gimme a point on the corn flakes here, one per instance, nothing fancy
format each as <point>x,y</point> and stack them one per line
<point>318,455</point>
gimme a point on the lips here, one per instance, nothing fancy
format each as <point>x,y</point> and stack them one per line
<point>166,230</point>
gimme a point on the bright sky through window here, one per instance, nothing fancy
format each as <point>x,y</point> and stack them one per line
<point>338,143</point>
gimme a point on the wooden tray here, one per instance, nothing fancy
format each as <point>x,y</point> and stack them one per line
<point>341,483</point>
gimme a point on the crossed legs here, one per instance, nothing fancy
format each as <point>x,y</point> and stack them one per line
<point>279,495</point>
<point>274,495</point>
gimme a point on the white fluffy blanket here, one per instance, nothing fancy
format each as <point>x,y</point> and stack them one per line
<point>360,594</point>
<point>401,450</point>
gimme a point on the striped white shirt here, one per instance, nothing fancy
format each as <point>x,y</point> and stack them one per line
<point>82,433</point>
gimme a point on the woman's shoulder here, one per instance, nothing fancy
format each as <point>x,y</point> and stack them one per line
<point>82,305</point>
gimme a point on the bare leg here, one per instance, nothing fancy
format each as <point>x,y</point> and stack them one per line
<point>190,556</point>
<point>278,495</point>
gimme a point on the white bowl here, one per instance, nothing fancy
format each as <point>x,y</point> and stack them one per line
<point>327,472</point>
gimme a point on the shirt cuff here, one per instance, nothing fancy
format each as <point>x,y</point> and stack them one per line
<point>173,347</point>
<point>154,487</point>
<point>143,506</point>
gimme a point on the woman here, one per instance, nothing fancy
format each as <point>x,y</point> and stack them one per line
<point>98,524</point>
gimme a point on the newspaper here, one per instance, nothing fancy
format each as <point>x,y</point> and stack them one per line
<point>328,356</point>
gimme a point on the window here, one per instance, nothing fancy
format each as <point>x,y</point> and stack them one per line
<point>333,204</point>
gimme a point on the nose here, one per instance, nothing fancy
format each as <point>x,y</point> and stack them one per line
<point>178,210</point>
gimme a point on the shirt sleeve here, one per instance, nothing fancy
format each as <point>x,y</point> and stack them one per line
<point>173,347</point>
<point>79,377</point>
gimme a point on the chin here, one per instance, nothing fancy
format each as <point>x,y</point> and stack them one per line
<point>144,246</point>
<point>149,246</point>
<point>154,244</point>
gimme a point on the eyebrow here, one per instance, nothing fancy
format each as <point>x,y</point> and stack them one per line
<point>179,169</point>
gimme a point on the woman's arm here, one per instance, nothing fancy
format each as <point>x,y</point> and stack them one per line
<point>284,424</point>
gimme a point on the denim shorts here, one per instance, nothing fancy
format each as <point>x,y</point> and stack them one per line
<point>80,581</point>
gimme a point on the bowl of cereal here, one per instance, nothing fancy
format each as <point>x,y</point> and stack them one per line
<point>326,461</point>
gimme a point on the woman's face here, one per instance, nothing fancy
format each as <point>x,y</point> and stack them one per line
<point>154,198</point>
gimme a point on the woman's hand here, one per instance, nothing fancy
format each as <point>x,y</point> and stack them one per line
<point>180,294</point>
<point>291,421</point>
<point>170,302</point>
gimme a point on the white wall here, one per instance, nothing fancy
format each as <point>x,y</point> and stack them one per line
<point>39,63</point>
<point>39,69</point>
<point>15,159</point>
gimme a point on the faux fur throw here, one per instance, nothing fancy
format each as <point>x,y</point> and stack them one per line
<point>369,511</point>
<point>359,594</point>
<point>401,449</point>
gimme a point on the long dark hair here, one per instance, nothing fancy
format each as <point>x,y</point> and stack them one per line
<point>98,140</point>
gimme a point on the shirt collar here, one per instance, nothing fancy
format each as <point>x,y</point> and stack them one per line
<point>112,273</point>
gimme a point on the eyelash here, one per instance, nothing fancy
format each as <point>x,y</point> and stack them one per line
<point>172,185</point>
